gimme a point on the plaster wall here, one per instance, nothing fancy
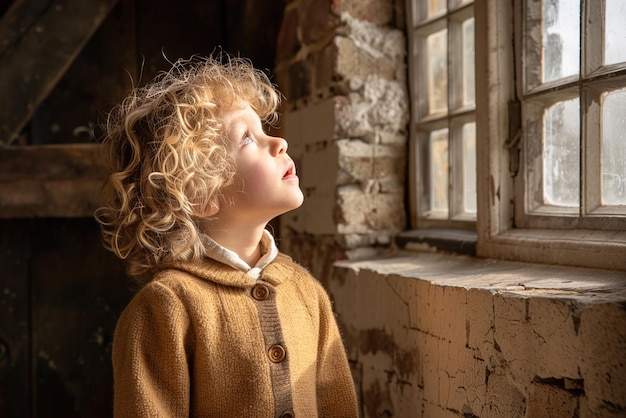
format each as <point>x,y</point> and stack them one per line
<point>433,335</point>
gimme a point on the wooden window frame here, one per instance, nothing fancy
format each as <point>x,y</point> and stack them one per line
<point>498,237</point>
<point>422,125</point>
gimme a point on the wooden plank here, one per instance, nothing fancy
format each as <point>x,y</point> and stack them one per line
<point>51,181</point>
<point>100,76</point>
<point>31,69</point>
<point>15,318</point>
<point>17,20</point>
<point>78,291</point>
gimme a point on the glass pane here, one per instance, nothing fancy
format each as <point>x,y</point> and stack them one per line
<point>424,10</point>
<point>615,32</point>
<point>437,56</point>
<point>560,39</point>
<point>438,150</point>
<point>469,167</point>
<point>458,3</point>
<point>468,62</point>
<point>436,7</point>
<point>614,148</point>
<point>561,148</point>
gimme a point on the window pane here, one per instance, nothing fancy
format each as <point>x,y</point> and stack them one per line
<point>437,56</point>
<point>615,32</point>
<point>561,148</point>
<point>614,148</point>
<point>438,150</point>
<point>436,7</point>
<point>469,167</point>
<point>560,39</point>
<point>458,3</point>
<point>468,62</point>
<point>424,10</point>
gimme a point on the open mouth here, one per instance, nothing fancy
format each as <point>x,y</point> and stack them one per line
<point>291,171</point>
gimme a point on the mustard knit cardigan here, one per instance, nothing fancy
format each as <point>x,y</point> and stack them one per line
<point>205,340</point>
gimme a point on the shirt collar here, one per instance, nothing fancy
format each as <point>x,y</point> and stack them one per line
<point>269,251</point>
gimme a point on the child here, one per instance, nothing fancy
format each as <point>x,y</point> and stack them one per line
<point>224,325</point>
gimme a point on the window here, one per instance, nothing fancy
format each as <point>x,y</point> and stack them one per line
<point>538,126</point>
<point>443,113</point>
<point>573,97</point>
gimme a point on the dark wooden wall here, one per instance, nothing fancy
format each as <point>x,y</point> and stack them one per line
<point>60,291</point>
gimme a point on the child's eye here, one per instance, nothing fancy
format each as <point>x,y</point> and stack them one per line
<point>247,140</point>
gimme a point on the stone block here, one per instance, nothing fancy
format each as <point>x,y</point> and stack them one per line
<point>378,109</point>
<point>379,12</point>
<point>514,337</point>
<point>316,19</point>
<point>603,362</point>
<point>317,216</point>
<point>549,401</point>
<point>311,125</point>
<point>434,410</point>
<point>292,130</point>
<point>391,138</point>
<point>420,304</point>
<point>324,68</point>
<point>364,163</point>
<point>281,79</point>
<point>319,170</point>
<point>299,80</point>
<point>359,212</point>
<point>504,399</point>
<point>453,301</point>
<point>356,161</point>
<point>480,322</point>
<point>288,44</point>
<point>431,358</point>
<point>318,122</point>
<point>557,353</point>
<point>378,41</point>
<point>353,62</point>
<point>389,162</point>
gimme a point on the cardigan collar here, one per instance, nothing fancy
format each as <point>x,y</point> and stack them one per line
<point>281,269</point>
<point>225,267</point>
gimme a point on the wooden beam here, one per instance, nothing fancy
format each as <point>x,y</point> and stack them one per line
<point>46,38</point>
<point>51,181</point>
<point>18,19</point>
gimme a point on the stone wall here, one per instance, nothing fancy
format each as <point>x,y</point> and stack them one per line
<point>341,67</point>
<point>428,335</point>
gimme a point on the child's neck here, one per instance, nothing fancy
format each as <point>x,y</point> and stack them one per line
<point>246,243</point>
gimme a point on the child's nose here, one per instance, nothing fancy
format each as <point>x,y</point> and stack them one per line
<point>279,146</point>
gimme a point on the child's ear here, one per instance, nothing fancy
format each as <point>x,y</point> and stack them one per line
<point>212,208</point>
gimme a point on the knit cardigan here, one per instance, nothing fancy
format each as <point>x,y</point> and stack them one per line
<point>206,340</point>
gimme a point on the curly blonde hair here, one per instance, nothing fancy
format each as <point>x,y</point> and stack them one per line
<point>170,158</point>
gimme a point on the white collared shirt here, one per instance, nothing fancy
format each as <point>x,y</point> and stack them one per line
<point>269,251</point>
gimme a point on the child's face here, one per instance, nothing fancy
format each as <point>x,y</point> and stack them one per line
<point>271,186</point>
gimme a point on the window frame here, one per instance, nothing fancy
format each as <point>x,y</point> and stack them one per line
<point>498,37</point>
<point>588,86</point>
<point>497,236</point>
<point>420,125</point>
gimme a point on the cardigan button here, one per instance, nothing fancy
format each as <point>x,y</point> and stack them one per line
<point>276,353</point>
<point>287,415</point>
<point>260,292</point>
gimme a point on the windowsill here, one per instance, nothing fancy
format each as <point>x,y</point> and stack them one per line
<point>447,240</point>
<point>516,278</point>
<point>576,248</point>
<point>594,249</point>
